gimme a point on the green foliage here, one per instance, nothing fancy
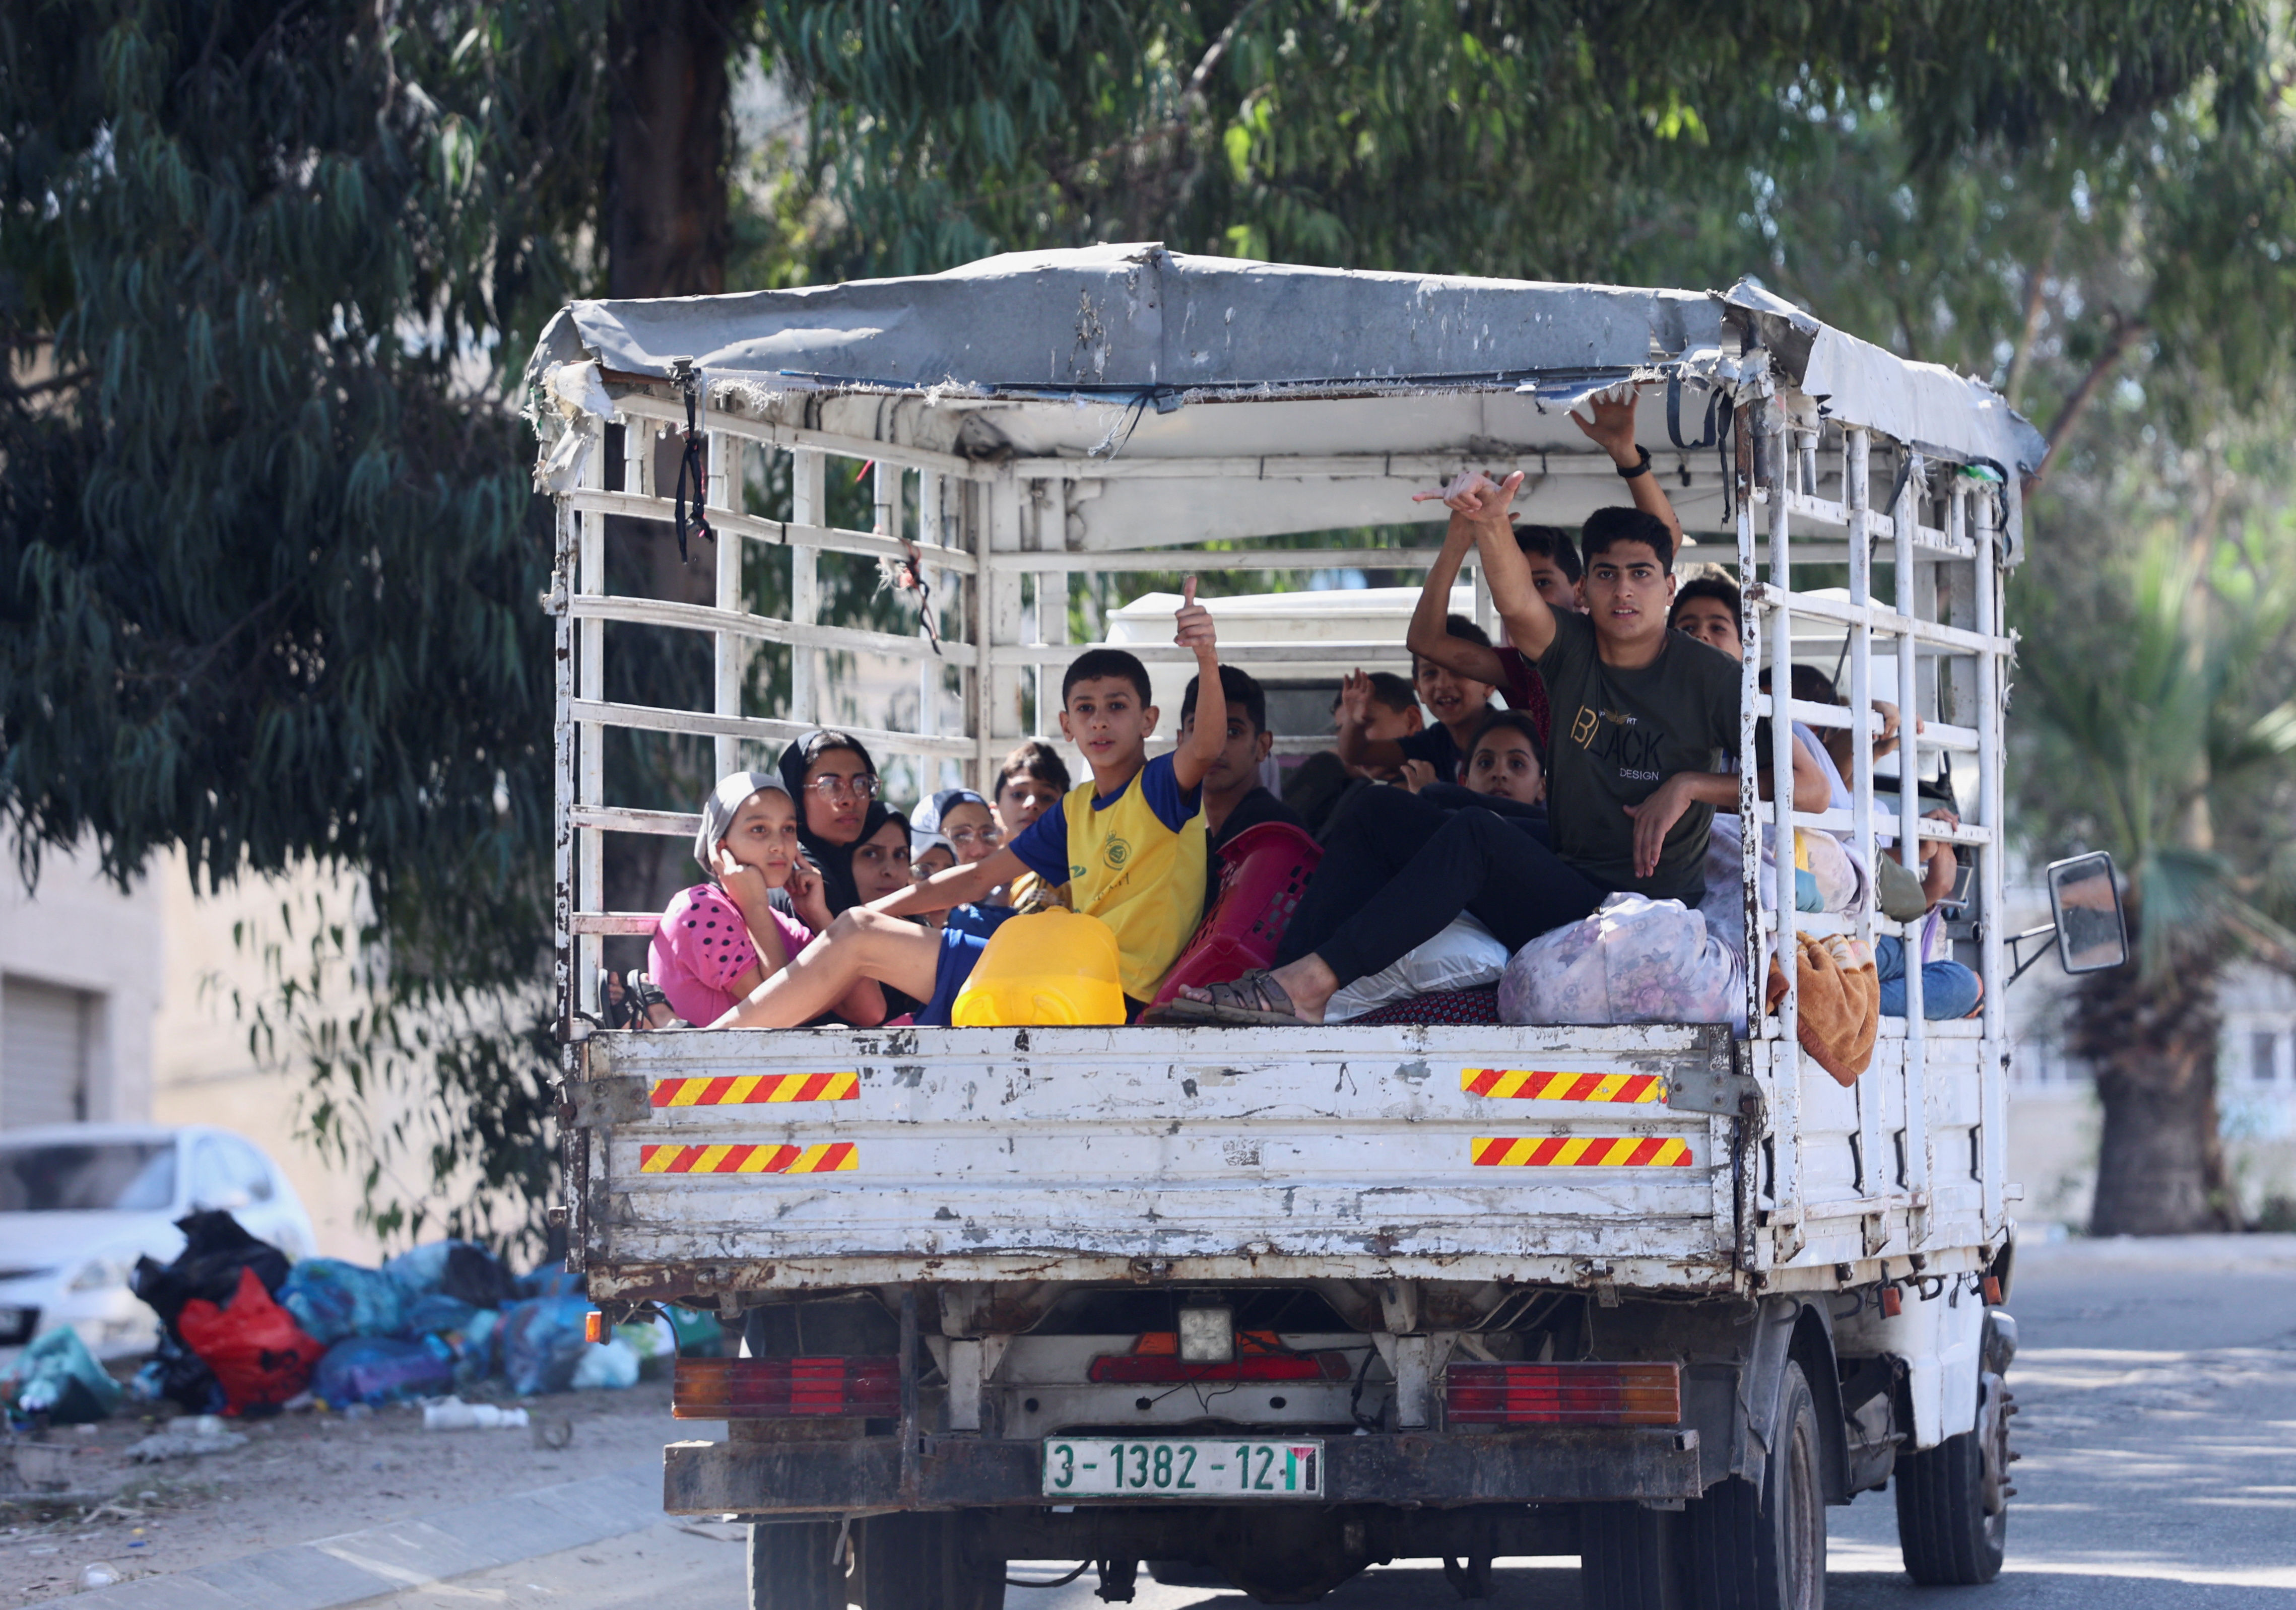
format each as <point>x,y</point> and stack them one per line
<point>268,557</point>
<point>2161,730</point>
<point>1422,134</point>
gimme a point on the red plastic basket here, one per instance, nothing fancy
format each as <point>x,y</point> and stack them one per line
<point>1264,870</point>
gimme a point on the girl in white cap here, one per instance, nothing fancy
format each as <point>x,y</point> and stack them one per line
<point>722,939</point>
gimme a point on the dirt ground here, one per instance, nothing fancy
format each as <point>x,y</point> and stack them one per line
<point>302,1476</point>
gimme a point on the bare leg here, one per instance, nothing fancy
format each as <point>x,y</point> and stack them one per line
<point>860,945</point>
<point>1310,984</point>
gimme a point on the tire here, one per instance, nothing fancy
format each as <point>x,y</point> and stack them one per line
<point>924,1561</point>
<point>1631,1558</point>
<point>790,1568</point>
<point>1946,1532</point>
<point>1765,1549</point>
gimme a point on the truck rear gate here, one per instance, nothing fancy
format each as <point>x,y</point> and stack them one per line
<point>838,1157</point>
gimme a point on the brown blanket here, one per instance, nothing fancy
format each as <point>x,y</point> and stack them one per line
<point>1839,1002</point>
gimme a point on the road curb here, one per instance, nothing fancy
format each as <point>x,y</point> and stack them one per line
<point>353,1568</point>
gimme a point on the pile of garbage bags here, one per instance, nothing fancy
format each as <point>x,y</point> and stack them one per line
<point>247,1332</point>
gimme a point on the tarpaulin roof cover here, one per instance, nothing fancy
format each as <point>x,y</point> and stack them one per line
<point>1139,325</point>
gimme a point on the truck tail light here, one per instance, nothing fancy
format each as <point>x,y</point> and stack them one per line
<point>1564,1395</point>
<point>1155,1361</point>
<point>783,1389</point>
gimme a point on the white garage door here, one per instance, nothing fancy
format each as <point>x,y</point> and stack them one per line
<point>47,1039</point>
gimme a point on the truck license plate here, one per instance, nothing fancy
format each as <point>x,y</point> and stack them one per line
<point>1174,1467</point>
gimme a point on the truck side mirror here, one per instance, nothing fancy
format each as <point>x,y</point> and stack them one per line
<point>2084,901</point>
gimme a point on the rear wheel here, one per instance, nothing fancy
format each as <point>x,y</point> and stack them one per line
<point>1764,1548</point>
<point>796,1566</point>
<point>926,1561</point>
<point>1630,1558</point>
<point>1953,1500</point>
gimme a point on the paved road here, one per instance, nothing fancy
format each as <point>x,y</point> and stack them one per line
<point>2159,1383</point>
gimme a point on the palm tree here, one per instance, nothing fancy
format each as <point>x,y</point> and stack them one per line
<point>2160,737</point>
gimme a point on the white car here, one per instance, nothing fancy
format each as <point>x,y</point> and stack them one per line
<point>79,1203</point>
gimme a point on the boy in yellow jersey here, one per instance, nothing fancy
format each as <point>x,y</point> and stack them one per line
<point>1129,844</point>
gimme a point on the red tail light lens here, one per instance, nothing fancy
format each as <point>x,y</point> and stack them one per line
<point>1564,1395</point>
<point>782,1389</point>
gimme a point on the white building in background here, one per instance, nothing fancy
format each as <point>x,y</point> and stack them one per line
<point>119,1006</point>
<point>80,983</point>
<point>2054,1120</point>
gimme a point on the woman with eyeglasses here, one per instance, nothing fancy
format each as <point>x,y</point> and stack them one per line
<point>835,785</point>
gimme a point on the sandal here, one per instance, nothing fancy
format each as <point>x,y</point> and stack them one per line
<point>1256,998</point>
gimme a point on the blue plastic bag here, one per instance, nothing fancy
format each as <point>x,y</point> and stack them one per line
<point>542,1341</point>
<point>438,1311</point>
<point>57,1375</point>
<point>477,1348</point>
<point>456,1269</point>
<point>333,1300</point>
<point>383,1370</point>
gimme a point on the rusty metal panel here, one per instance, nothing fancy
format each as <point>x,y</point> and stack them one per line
<point>1358,1150</point>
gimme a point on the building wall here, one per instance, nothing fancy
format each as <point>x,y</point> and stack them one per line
<point>79,932</point>
<point>204,1069</point>
<point>2054,1120</point>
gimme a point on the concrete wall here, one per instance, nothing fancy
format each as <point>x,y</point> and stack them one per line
<point>204,1070</point>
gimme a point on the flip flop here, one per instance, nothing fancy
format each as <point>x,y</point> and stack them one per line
<point>1229,1001</point>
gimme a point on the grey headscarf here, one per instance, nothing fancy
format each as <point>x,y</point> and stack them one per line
<point>718,810</point>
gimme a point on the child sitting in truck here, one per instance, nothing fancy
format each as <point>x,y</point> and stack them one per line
<point>1233,797</point>
<point>1553,562</point>
<point>718,941</point>
<point>1384,708</point>
<point>1032,780</point>
<point>1458,703</point>
<point>1129,843</point>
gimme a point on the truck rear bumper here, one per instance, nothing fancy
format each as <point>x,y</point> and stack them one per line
<point>1552,1466</point>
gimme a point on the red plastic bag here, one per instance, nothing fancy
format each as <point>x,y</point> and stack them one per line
<point>258,1352</point>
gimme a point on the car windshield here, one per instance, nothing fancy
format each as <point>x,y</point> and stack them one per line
<point>124,1176</point>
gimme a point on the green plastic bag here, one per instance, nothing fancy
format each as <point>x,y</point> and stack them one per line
<point>58,1375</point>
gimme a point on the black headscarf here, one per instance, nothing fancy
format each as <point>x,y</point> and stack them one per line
<point>834,860</point>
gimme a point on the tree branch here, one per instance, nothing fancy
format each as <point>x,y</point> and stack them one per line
<point>2022,357</point>
<point>2125,333</point>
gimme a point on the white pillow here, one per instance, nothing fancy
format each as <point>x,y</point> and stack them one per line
<point>1459,957</point>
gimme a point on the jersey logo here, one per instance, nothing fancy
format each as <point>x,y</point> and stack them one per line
<point>1117,852</point>
<point>1582,730</point>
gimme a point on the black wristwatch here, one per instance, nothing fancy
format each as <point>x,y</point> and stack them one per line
<point>1640,467</point>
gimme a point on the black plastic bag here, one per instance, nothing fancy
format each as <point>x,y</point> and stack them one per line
<point>216,1249</point>
<point>476,1277</point>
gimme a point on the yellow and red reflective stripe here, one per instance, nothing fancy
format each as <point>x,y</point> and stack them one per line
<point>1578,1151</point>
<point>834,1157</point>
<point>1529,1084</point>
<point>751,1089</point>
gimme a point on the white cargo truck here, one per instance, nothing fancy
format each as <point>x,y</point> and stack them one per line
<point>1273,1305</point>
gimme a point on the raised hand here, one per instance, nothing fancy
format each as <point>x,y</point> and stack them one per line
<point>1475,496</point>
<point>1194,623</point>
<point>1355,698</point>
<point>1613,426</point>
